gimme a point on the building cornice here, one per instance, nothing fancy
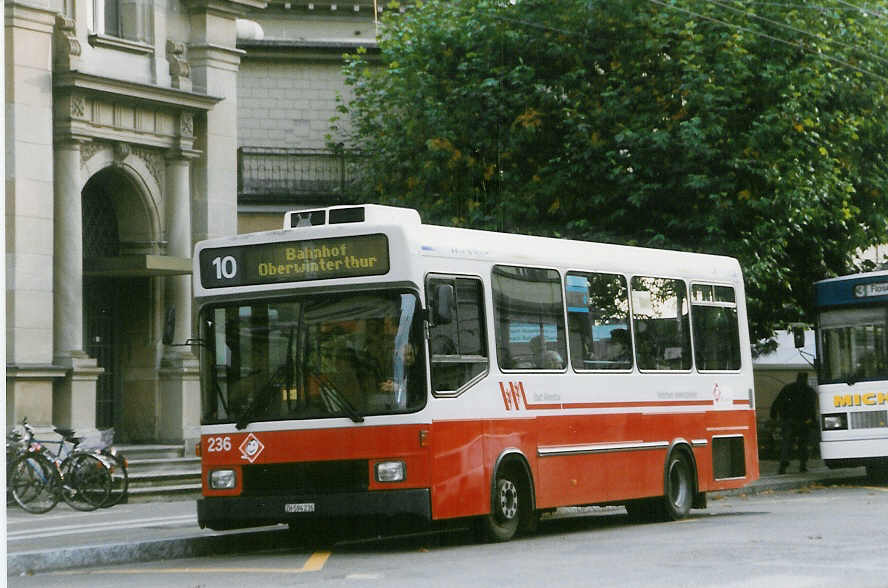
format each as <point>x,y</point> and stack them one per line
<point>25,15</point>
<point>302,50</point>
<point>147,93</point>
<point>235,8</point>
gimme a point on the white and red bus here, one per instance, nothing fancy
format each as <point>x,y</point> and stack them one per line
<point>359,362</point>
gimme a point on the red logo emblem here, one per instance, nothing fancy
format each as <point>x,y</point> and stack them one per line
<point>513,395</point>
<point>251,448</point>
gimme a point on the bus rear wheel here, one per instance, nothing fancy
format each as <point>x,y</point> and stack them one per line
<point>679,487</point>
<point>678,494</point>
<point>505,510</point>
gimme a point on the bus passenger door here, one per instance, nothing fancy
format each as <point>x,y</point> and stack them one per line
<point>458,359</point>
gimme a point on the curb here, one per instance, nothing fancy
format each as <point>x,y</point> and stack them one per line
<point>31,562</point>
<point>791,482</point>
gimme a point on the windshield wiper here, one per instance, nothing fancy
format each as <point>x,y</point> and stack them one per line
<point>333,399</point>
<point>262,400</point>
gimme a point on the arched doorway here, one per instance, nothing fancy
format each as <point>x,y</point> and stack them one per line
<point>101,239</point>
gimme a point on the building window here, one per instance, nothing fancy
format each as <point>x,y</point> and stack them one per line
<point>132,20</point>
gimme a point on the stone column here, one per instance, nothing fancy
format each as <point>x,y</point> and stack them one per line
<point>68,251</point>
<point>178,230</point>
<point>215,61</point>
<point>29,212</point>
<point>74,398</point>
<point>179,410</point>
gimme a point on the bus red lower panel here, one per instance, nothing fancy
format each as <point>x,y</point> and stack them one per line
<point>583,459</point>
<point>460,479</point>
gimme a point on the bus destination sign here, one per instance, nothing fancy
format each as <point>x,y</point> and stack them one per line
<point>871,289</point>
<point>294,261</point>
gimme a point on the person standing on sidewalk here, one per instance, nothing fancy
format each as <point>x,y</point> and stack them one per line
<point>796,409</point>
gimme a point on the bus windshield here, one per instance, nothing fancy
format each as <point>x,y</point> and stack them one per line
<point>853,346</point>
<point>318,356</point>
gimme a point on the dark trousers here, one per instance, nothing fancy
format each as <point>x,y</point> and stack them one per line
<point>794,432</point>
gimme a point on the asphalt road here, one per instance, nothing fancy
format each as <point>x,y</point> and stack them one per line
<point>816,536</point>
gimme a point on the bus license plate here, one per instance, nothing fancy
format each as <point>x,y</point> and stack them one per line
<point>300,507</point>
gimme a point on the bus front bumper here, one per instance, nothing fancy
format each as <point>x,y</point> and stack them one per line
<point>235,512</point>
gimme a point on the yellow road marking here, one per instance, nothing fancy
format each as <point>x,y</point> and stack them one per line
<point>315,563</point>
<point>876,488</point>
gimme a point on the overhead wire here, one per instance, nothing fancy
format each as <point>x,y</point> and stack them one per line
<point>864,9</point>
<point>794,29</point>
<point>799,46</point>
<point>817,7</point>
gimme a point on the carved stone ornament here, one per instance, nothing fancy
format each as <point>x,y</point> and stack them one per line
<point>154,161</point>
<point>67,46</point>
<point>121,152</point>
<point>78,107</point>
<point>186,124</point>
<point>180,69</point>
<point>87,150</point>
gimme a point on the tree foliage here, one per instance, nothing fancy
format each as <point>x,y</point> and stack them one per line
<point>751,129</point>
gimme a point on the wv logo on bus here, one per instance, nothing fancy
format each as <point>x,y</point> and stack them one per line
<point>513,395</point>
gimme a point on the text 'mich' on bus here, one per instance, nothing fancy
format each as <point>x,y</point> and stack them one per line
<point>852,374</point>
<point>360,363</point>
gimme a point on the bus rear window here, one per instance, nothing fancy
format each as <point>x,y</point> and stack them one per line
<point>716,330</point>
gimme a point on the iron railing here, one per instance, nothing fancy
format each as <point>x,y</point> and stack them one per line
<point>274,172</point>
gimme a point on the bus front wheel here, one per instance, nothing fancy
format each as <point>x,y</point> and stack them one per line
<point>505,510</point>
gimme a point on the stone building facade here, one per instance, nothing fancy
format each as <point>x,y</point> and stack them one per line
<point>121,152</point>
<point>287,93</point>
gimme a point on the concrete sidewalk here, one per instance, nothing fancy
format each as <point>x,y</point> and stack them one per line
<point>146,531</point>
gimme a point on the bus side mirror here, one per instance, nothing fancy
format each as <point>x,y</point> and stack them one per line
<point>442,311</point>
<point>169,326</point>
<point>798,335</point>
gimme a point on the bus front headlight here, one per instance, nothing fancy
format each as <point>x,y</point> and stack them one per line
<point>835,422</point>
<point>391,471</point>
<point>222,479</point>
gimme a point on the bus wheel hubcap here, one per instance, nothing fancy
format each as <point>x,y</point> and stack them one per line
<point>508,496</point>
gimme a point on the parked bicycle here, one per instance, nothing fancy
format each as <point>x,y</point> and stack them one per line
<point>117,463</point>
<point>38,479</point>
<point>14,448</point>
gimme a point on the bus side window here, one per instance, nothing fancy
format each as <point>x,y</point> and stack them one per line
<point>661,323</point>
<point>716,329</point>
<point>458,348</point>
<point>598,321</point>
<point>528,308</point>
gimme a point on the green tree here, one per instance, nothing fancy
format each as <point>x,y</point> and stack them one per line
<point>751,129</point>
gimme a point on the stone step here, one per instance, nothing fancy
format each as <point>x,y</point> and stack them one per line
<point>164,493</point>
<point>161,472</point>
<point>157,451</point>
<point>173,464</point>
<point>159,478</point>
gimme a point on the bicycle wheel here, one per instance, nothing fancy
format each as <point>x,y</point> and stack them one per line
<point>119,478</point>
<point>34,482</point>
<point>86,481</point>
